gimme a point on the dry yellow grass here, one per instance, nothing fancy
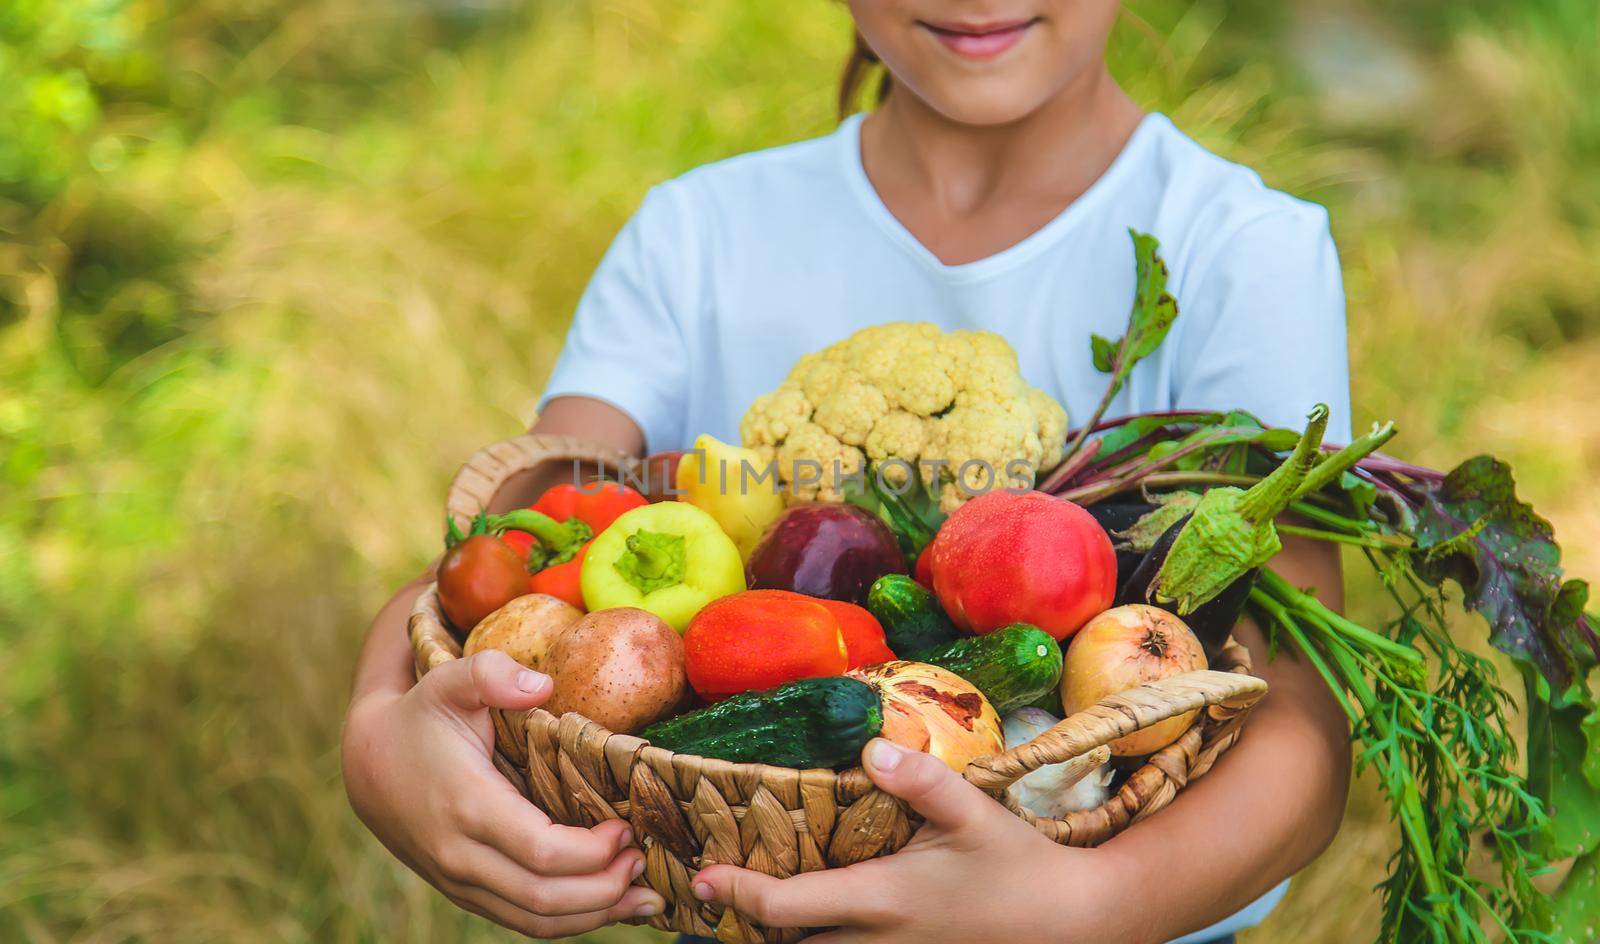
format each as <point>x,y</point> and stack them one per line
<point>239,361</point>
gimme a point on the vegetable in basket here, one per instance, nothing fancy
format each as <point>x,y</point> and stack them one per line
<point>931,709</point>
<point>815,722</point>
<point>911,615</point>
<point>864,642</point>
<point>726,481</point>
<point>1004,558</point>
<point>1054,790</point>
<point>488,567</point>
<point>562,522</point>
<point>909,392</point>
<point>596,504</point>
<point>622,668</point>
<point>1012,666</point>
<point>477,575</point>
<point>757,639</point>
<point>540,550</point>
<point>669,558</point>
<point>564,581</point>
<point>1124,648</point>
<point>524,629</point>
<point>824,549</point>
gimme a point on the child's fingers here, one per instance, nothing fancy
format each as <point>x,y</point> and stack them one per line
<point>558,896</point>
<point>637,903</point>
<point>504,820</point>
<point>927,784</point>
<point>487,679</point>
<point>808,900</point>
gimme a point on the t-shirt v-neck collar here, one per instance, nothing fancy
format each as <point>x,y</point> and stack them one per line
<point>848,139</point>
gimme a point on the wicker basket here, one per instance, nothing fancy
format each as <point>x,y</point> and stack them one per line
<point>688,812</point>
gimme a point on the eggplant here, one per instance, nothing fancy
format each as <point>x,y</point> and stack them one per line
<point>1135,588</point>
<point>1213,621</point>
<point>1120,516</point>
<point>824,549</point>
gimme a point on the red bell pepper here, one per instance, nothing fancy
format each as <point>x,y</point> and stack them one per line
<point>756,639</point>
<point>561,580</point>
<point>596,505</point>
<point>520,541</point>
<point>864,642</point>
<point>1007,558</point>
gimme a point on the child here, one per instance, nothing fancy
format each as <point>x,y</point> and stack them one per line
<point>992,187</point>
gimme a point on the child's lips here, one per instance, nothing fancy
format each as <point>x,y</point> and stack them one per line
<point>980,40</point>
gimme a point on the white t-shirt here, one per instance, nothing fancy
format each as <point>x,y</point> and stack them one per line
<point>730,273</point>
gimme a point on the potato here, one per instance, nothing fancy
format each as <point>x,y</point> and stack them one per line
<point>621,667</point>
<point>524,629</point>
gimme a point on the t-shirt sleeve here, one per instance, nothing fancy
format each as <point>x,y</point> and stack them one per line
<point>1265,327</point>
<point>626,344</point>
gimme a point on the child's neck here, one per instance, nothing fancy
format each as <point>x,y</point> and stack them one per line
<point>969,192</point>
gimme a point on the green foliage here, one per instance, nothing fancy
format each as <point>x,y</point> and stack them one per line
<point>1504,556</point>
<point>49,106</point>
<point>1154,311</point>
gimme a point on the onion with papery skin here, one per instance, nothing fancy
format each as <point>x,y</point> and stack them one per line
<point>1123,648</point>
<point>927,708</point>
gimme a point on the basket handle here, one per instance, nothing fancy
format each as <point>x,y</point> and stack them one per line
<point>1114,717</point>
<point>551,457</point>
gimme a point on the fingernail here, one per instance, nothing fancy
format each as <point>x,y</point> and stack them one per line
<point>702,891</point>
<point>647,909</point>
<point>624,839</point>
<point>638,869</point>
<point>884,755</point>
<point>532,682</point>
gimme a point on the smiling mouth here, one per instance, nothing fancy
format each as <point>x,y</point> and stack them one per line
<point>979,40</point>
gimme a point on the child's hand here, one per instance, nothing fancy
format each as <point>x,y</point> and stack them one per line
<point>418,770</point>
<point>974,872</point>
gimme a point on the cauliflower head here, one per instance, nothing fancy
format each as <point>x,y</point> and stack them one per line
<point>952,408</point>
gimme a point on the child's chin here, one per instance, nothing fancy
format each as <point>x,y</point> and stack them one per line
<point>985,100</point>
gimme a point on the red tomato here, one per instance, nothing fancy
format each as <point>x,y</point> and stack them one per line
<point>477,577</point>
<point>757,639</point>
<point>863,634</point>
<point>1031,558</point>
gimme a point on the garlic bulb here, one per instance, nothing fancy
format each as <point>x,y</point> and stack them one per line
<point>1054,790</point>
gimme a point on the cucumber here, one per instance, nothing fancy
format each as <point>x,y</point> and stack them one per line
<point>1013,666</point>
<point>911,616</point>
<point>815,722</point>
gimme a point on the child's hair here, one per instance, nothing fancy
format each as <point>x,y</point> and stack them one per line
<point>857,69</point>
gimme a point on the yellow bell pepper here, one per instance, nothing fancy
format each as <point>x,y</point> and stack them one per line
<point>669,558</point>
<point>734,486</point>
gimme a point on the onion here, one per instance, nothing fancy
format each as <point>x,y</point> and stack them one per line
<point>1124,648</point>
<point>927,708</point>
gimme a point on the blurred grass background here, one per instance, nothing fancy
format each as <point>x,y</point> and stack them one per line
<point>269,269</point>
